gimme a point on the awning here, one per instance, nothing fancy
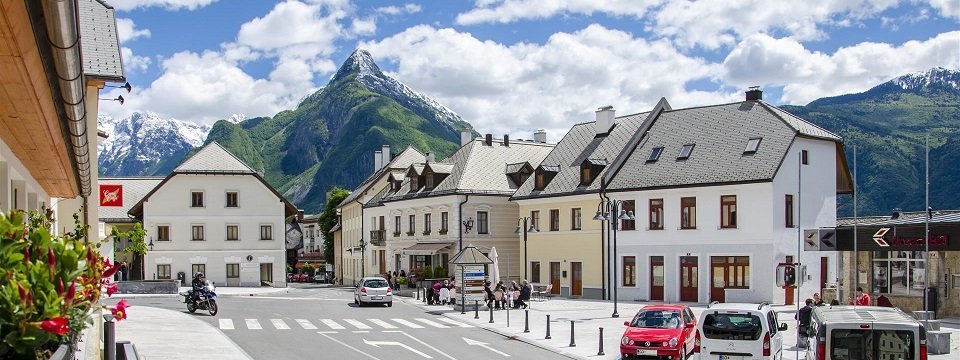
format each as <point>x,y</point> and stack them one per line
<point>425,248</point>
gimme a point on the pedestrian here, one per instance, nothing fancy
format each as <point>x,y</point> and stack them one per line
<point>453,291</point>
<point>817,301</point>
<point>123,271</point>
<point>502,302</point>
<point>445,292</point>
<point>436,291</point>
<point>524,296</point>
<point>803,316</point>
<point>117,276</point>
<point>488,294</point>
<point>862,299</point>
<point>834,302</point>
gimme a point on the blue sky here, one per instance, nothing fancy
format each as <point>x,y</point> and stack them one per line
<point>511,66</point>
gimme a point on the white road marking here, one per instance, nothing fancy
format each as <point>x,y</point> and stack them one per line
<point>306,324</point>
<point>433,323</point>
<point>396,343</point>
<point>429,346</point>
<point>327,332</point>
<point>279,324</point>
<point>332,324</point>
<point>407,323</point>
<point>358,324</point>
<point>324,334</point>
<point>485,346</point>
<point>454,322</point>
<point>226,324</point>
<point>253,324</point>
<point>361,331</point>
<point>382,323</point>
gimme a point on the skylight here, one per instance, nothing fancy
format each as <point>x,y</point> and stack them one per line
<point>685,152</point>
<point>752,146</point>
<point>655,154</point>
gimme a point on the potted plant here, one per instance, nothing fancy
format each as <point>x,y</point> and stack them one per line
<point>396,233</point>
<point>443,231</point>
<point>439,271</point>
<point>426,232</point>
<point>410,233</point>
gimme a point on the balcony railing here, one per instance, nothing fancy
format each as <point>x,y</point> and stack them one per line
<point>378,237</point>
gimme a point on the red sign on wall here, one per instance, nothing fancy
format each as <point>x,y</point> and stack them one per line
<point>111,195</point>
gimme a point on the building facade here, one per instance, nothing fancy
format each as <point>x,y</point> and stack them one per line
<point>213,214</point>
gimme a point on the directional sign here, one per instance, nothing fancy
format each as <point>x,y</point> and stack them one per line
<point>810,240</point>
<point>878,237</point>
<point>395,343</point>
<point>485,346</point>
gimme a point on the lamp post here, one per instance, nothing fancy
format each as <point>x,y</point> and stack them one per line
<point>363,264</point>
<point>606,210</point>
<point>526,230</point>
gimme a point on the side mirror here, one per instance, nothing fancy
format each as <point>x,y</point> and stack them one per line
<point>782,327</point>
<point>626,323</point>
<point>690,325</point>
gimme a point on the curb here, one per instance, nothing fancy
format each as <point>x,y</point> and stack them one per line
<point>148,296</point>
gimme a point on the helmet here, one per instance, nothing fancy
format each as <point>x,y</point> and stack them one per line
<point>198,275</point>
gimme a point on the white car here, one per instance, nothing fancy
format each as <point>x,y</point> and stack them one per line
<point>373,290</point>
<point>738,331</point>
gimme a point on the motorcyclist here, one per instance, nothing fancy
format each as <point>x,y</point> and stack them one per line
<point>198,285</point>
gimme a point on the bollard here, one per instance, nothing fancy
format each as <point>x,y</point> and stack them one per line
<point>109,338</point>
<point>601,343</point>
<point>508,317</point>
<point>572,343</point>
<point>424,294</point>
<point>526,321</point>
<point>418,293</point>
<point>548,328</point>
<point>491,316</point>
<point>476,309</point>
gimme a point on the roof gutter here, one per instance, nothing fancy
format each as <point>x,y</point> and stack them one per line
<point>63,36</point>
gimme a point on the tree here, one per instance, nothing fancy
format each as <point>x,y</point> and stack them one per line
<point>328,219</point>
<point>138,246</point>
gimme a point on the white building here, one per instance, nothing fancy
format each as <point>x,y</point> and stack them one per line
<point>214,214</point>
<point>721,195</point>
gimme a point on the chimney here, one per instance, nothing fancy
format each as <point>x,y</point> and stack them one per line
<point>896,213</point>
<point>506,140</point>
<point>540,136</point>
<point>385,153</point>
<point>299,215</point>
<point>605,119</point>
<point>488,139</point>
<point>430,157</point>
<point>754,94</point>
<point>466,136</point>
<point>377,160</point>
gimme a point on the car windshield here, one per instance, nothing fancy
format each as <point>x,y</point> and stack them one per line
<point>848,344</point>
<point>732,326</point>
<point>376,283</point>
<point>657,319</point>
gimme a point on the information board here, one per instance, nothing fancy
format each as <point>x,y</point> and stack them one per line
<point>471,281</point>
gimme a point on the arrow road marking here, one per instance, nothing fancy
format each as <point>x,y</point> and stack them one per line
<point>324,334</point>
<point>226,324</point>
<point>429,346</point>
<point>396,343</point>
<point>485,346</point>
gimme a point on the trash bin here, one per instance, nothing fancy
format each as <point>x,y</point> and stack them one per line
<point>182,278</point>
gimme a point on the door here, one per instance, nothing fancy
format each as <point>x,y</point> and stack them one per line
<point>555,278</point>
<point>823,273</point>
<point>656,278</point>
<point>788,290</point>
<point>383,261</point>
<point>688,279</point>
<point>266,273</point>
<point>576,278</point>
<point>233,274</point>
<point>718,276</point>
<point>396,260</point>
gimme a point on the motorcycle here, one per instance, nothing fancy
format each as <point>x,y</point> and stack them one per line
<point>206,299</point>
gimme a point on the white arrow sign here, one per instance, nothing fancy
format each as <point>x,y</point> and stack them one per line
<point>394,343</point>
<point>485,346</point>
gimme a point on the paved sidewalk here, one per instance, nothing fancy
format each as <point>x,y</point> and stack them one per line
<point>589,316</point>
<point>167,334</point>
<point>221,291</point>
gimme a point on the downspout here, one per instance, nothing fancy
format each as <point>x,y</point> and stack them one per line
<point>63,37</point>
<point>363,248</point>
<point>603,263</point>
<point>460,207</point>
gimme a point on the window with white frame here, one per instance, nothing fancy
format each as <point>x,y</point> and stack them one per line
<point>196,199</point>
<point>483,222</point>
<point>898,272</point>
<point>197,232</point>
<point>266,232</point>
<point>233,232</point>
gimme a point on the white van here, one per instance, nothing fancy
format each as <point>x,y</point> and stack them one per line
<point>864,332</point>
<point>733,331</point>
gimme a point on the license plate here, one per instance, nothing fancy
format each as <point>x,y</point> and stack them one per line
<point>646,352</point>
<point>378,298</point>
<point>182,298</point>
<point>730,357</point>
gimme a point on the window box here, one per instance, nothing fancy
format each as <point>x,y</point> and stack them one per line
<point>396,234</point>
<point>426,232</point>
<point>443,232</point>
<point>410,233</point>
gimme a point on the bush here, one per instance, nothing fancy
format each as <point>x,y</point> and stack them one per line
<point>439,271</point>
<point>307,269</point>
<point>402,281</point>
<point>427,272</point>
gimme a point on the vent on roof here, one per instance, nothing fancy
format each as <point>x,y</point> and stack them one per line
<point>506,140</point>
<point>655,154</point>
<point>754,94</point>
<point>685,152</point>
<point>488,139</point>
<point>752,146</point>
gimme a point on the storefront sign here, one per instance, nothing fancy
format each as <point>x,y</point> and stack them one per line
<point>902,237</point>
<point>111,195</point>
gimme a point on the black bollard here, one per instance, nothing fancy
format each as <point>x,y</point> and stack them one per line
<point>548,328</point>
<point>109,338</point>
<point>508,317</point>
<point>418,293</point>
<point>491,316</point>
<point>526,321</point>
<point>572,343</point>
<point>601,343</point>
<point>476,309</point>
<point>424,293</point>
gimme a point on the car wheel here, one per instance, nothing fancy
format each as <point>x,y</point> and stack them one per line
<point>390,304</point>
<point>356,301</point>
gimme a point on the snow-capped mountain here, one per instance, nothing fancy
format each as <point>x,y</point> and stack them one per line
<point>146,144</point>
<point>933,78</point>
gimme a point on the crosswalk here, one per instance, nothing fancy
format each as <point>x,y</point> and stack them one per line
<point>341,324</point>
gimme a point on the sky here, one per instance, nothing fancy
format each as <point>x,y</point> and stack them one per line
<point>514,66</point>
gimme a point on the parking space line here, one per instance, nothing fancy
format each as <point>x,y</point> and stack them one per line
<point>454,322</point>
<point>306,324</point>
<point>332,324</point>
<point>226,324</point>
<point>324,334</point>
<point>407,323</point>
<point>357,324</point>
<point>279,324</point>
<point>433,323</point>
<point>382,323</point>
<point>253,324</point>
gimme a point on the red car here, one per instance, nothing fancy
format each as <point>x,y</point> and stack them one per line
<point>660,332</point>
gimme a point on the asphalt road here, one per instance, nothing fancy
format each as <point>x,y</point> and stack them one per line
<point>312,322</point>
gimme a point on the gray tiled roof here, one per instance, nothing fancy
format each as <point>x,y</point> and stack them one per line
<point>581,143</point>
<point>440,168</point>
<point>906,218</point>
<point>213,158</point>
<point>804,127</point>
<point>99,41</point>
<point>399,163</point>
<point>720,133</point>
<point>134,189</point>
<point>514,168</point>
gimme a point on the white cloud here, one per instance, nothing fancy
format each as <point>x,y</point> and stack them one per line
<point>398,10</point>
<point>127,30</point>
<point>517,88</point>
<point>363,27</point>
<point>291,25</point>
<point>127,5</point>
<point>807,75</point>
<point>133,62</point>
<point>506,11</point>
<point>947,8</point>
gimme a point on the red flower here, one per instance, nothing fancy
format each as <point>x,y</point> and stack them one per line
<point>26,254</point>
<point>22,291</point>
<point>111,288</point>
<point>120,311</point>
<point>109,269</point>
<point>57,325</point>
<point>71,292</point>
<point>51,258</point>
<point>60,286</point>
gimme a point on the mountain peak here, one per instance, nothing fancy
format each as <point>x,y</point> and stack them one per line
<point>936,77</point>
<point>360,62</point>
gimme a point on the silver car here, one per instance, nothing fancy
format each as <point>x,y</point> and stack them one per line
<point>373,290</point>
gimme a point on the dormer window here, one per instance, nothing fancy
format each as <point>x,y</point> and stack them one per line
<point>519,172</point>
<point>685,152</point>
<point>539,181</point>
<point>655,154</point>
<point>543,175</point>
<point>589,170</point>
<point>752,146</point>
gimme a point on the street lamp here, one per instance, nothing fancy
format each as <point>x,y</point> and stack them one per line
<point>526,230</point>
<point>363,264</point>
<point>605,211</point>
